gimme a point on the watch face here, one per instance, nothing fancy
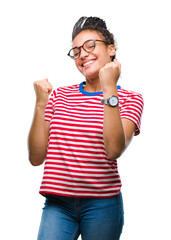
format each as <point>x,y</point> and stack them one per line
<point>113,101</point>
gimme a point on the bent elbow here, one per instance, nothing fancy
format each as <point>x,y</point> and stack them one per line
<point>114,155</point>
<point>114,152</point>
<point>35,161</point>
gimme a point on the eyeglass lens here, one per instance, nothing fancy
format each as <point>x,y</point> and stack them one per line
<point>88,46</point>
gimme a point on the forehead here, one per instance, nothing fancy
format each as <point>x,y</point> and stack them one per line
<point>86,35</point>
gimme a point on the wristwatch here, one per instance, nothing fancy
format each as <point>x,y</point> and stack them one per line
<point>112,101</point>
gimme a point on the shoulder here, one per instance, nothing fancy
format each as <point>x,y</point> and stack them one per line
<point>70,88</point>
<point>129,95</point>
<point>65,89</point>
<point>131,106</point>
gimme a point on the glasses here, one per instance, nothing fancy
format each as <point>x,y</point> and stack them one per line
<point>88,46</point>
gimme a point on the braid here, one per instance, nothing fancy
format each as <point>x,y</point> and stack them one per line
<point>94,24</point>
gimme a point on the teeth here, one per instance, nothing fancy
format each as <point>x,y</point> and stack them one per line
<point>85,64</point>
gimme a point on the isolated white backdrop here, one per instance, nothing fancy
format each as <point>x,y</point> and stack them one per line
<point>35,39</point>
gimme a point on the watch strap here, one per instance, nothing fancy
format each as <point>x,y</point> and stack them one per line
<point>104,101</point>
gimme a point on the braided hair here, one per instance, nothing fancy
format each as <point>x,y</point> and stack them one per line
<point>94,24</point>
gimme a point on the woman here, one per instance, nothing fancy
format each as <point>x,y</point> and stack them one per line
<point>86,128</point>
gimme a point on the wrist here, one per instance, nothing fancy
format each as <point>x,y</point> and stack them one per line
<point>40,106</point>
<point>109,91</point>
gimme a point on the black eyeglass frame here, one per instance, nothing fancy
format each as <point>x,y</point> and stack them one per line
<point>79,48</point>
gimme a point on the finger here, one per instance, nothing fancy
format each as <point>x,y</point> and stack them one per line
<point>48,87</point>
<point>116,61</point>
<point>50,90</point>
<point>40,81</point>
<point>44,80</point>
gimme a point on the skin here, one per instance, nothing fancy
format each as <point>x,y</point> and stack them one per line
<point>39,131</point>
<point>101,75</point>
<point>100,56</point>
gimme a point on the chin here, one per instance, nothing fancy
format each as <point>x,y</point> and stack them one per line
<point>90,75</point>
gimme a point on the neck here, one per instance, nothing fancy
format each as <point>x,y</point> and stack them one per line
<point>93,86</point>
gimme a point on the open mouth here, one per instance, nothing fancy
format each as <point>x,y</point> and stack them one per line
<point>88,63</point>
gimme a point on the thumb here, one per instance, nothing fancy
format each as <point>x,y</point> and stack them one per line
<point>49,89</point>
<point>45,79</point>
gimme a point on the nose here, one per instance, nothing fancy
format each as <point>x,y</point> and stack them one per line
<point>83,53</point>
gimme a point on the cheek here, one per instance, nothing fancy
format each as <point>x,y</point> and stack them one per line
<point>78,65</point>
<point>106,59</point>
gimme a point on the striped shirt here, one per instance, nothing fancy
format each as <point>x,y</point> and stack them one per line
<point>76,163</point>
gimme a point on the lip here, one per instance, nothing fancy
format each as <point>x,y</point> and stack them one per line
<point>88,62</point>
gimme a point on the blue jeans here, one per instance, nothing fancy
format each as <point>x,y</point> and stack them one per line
<point>66,218</point>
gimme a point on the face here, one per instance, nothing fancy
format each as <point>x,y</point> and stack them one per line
<point>90,63</point>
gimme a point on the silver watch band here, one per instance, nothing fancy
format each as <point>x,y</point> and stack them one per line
<point>104,101</point>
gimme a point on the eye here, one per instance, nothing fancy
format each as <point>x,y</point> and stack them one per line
<point>75,52</point>
<point>89,45</point>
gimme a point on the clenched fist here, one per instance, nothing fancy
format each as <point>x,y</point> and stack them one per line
<point>42,89</point>
<point>109,74</point>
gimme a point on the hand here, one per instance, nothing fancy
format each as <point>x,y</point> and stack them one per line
<point>42,89</point>
<point>109,74</point>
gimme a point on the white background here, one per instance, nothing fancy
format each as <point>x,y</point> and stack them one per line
<point>34,42</point>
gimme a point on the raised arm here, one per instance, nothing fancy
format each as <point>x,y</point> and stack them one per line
<point>39,131</point>
<point>117,132</point>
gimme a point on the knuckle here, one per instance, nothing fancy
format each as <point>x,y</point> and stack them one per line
<point>35,82</point>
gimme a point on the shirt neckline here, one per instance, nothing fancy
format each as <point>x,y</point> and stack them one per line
<point>91,93</point>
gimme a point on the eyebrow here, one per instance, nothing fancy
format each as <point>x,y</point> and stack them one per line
<point>75,47</point>
<point>79,46</point>
<point>84,42</point>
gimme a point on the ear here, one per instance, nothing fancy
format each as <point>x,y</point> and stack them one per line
<point>111,49</point>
